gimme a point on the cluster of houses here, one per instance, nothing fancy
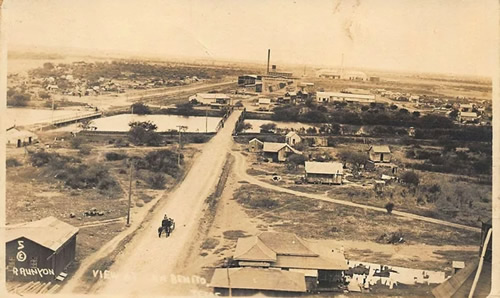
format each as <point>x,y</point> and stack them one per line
<point>317,172</point>
<point>214,100</point>
<point>280,264</point>
<point>252,83</point>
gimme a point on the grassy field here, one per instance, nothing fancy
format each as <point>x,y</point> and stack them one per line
<point>35,192</point>
<point>313,219</point>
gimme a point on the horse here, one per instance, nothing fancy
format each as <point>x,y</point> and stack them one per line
<point>167,225</point>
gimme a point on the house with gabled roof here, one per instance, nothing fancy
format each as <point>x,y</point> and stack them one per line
<point>255,145</point>
<point>380,153</point>
<point>292,138</point>
<point>286,251</point>
<point>17,137</point>
<point>278,151</point>
<point>39,250</point>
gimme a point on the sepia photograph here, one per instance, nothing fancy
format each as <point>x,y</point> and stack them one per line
<point>286,148</point>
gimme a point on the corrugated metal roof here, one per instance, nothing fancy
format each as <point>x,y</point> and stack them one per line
<point>259,279</point>
<point>313,167</point>
<point>381,149</point>
<point>49,232</point>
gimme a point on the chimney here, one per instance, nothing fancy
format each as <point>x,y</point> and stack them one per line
<point>268,59</point>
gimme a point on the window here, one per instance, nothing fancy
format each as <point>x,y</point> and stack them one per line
<point>34,262</point>
<point>11,263</point>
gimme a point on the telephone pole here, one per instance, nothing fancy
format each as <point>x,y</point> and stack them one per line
<point>129,193</point>
<point>180,129</point>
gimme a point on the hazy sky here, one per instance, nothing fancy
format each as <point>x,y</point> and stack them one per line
<point>455,36</point>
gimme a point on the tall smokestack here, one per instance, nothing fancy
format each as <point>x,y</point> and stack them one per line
<point>268,59</point>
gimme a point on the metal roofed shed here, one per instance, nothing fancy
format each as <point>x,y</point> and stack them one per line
<point>47,244</point>
<point>254,280</point>
<point>324,172</point>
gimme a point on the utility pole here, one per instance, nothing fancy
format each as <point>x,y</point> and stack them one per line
<point>180,128</point>
<point>129,193</point>
<point>206,121</point>
<point>228,278</point>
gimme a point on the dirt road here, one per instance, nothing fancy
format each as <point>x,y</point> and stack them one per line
<point>145,265</point>
<point>240,168</point>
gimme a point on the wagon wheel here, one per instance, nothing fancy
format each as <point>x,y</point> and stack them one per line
<point>173,225</point>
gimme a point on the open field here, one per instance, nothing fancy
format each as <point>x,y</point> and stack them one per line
<point>36,192</point>
<point>288,212</point>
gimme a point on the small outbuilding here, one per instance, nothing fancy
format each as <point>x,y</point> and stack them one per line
<point>468,116</point>
<point>39,250</point>
<point>380,153</point>
<point>255,145</point>
<point>324,172</point>
<point>264,104</point>
<point>292,138</point>
<point>20,138</point>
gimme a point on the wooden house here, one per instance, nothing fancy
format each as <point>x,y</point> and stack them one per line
<point>286,251</point>
<point>255,145</point>
<point>277,151</point>
<point>292,138</point>
<point>19,138</point>
<point>324,172</point>
<point>39,250</point>
<point>380,153</point>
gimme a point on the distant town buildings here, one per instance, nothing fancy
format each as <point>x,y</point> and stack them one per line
<point>326,97</point>
<point>212,99</point>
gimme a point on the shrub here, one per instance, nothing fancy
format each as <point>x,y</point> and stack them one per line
<point>389,206</point>
<point>85,150</point>
<point>140,108</point>
<point>76,142</point>
<point>12,162</point>
<point>411,178</point>
<point>157,181</point>
<point>199,139</point>
<point>144,133</point>
<point>111,156</point>
<point>268,128</point>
